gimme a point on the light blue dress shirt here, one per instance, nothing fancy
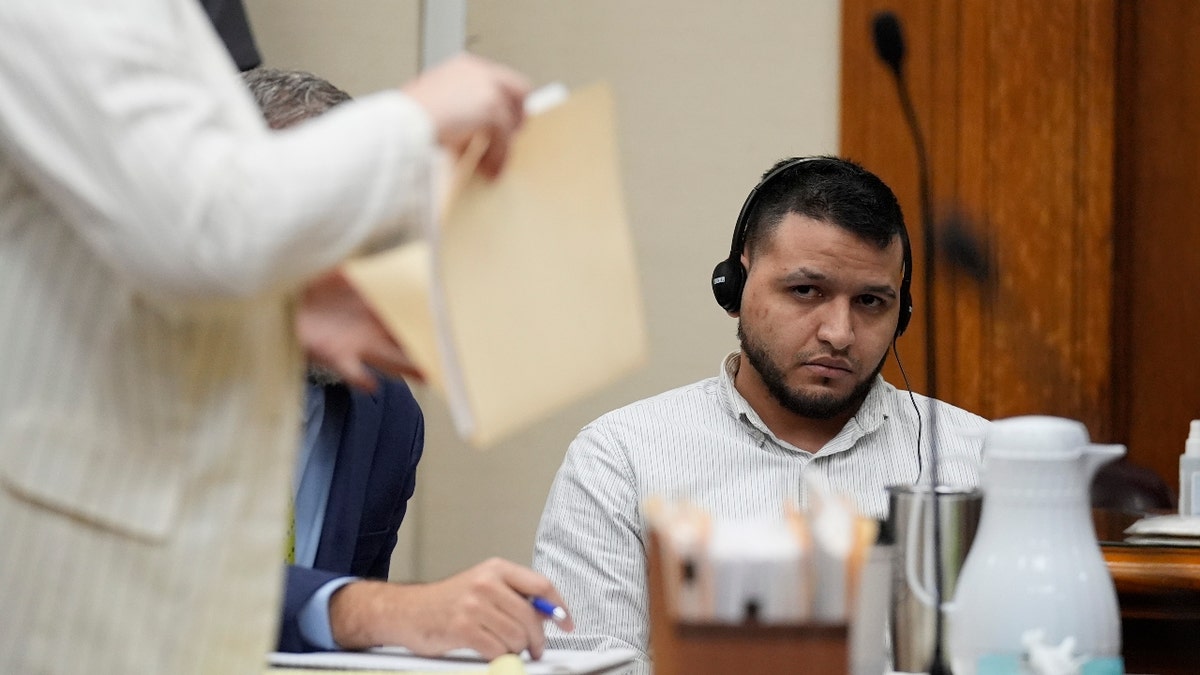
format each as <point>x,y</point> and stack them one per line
<point>311,484</point>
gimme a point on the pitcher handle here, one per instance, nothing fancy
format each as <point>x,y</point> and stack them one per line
<point>910,559</point>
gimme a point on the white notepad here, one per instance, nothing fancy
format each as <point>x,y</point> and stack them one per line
<point>553,661</point>
<point>1165,530</point>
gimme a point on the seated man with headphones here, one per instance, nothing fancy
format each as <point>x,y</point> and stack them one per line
<point>819,278</point>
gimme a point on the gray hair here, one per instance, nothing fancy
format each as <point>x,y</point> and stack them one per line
<point>288,97</point>
<point>291,96</point>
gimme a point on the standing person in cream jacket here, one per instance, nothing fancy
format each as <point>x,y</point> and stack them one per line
<point>156,240</point>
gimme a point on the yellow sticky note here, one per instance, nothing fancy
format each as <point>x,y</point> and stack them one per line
<point>509,664</point>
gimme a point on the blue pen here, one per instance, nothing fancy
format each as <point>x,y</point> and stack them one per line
<point>548,608</point>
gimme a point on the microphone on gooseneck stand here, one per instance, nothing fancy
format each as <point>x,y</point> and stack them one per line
<point>889,45</point>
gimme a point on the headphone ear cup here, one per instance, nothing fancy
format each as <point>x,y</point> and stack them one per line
<point>728,278</point>
<point>906,312</point>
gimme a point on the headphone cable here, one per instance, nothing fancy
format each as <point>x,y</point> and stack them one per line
<point>916,409</point>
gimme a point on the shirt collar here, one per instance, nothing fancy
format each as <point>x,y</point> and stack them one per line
<point>874,411</point>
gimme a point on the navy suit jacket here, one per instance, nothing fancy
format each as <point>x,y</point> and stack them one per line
<point>373,477</point>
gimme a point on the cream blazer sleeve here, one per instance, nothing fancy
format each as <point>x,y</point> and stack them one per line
<point>162,162</point>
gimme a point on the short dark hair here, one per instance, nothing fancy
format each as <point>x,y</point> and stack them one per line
<point>290,96</point>
<point>828,189</point>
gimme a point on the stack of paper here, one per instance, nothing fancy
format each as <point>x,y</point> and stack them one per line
<point>527,297</point>
<point>397,659</point>
<point>1167,530</point>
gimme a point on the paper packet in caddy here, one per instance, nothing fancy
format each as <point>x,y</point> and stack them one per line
<point>763,595</point>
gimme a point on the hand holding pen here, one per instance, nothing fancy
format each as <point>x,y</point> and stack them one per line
<point>496,607</point>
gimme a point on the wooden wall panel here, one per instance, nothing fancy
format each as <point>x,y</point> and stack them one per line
<point>1015,99</point>
<point>1158,209</point>
<point>873,132</point>
<point>1048,166</point>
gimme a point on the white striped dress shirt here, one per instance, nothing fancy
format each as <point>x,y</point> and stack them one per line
<point>152,232</point>
<point>705,443</point>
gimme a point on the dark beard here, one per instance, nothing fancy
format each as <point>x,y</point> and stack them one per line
<point>811,407</point>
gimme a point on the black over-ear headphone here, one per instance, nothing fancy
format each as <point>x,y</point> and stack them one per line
<point>729,276</point>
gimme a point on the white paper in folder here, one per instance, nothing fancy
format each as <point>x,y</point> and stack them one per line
<point>526,298</point>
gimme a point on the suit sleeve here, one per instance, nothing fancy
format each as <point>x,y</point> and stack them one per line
<point>401,440</point>
<point>141,133</point>
<point>300,585</point>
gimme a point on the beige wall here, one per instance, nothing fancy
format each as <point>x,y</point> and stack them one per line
<point>359,45</point>
<point>709,94</point>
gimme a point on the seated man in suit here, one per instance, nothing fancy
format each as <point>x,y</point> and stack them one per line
<point>355,473</point>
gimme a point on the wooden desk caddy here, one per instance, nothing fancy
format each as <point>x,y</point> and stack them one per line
<point>741,649</point>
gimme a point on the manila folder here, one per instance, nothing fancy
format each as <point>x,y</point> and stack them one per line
<point>527,297</point>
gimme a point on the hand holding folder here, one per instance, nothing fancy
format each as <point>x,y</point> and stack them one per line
<point>526,297</point>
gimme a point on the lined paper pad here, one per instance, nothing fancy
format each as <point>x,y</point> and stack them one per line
<point>397,659</point>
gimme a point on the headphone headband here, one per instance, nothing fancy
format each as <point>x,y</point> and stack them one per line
<point>729,276</point>
<point>742,225</point>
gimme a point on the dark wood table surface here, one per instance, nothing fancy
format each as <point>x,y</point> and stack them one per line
<point>1158,588</point>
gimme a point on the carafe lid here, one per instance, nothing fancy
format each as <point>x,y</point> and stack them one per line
<point>1035,436</point>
